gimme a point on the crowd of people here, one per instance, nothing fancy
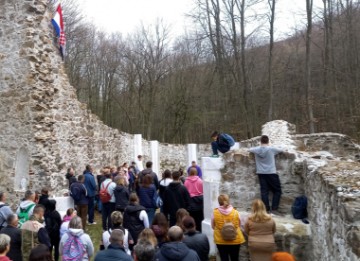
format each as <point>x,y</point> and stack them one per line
<point>143,219</point>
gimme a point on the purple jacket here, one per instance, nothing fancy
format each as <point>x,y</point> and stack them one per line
<point>198,171</point>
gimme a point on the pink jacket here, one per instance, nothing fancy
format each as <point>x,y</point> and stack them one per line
<point>194,185</point>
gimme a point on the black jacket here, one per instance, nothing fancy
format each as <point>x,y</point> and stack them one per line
<point>176,251</point>
<point>121,194</point>
<point>132,221</point>
<point>175,196</point>
<point>70,178</point>
<point>53,221</point>
<point>44,200</point>
<point>199,243</point>
<point>15,244</point>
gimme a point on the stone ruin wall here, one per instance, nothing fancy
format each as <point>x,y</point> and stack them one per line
<point>326,168</point>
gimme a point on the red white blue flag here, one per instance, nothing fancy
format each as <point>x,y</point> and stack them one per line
<point>58,24</point>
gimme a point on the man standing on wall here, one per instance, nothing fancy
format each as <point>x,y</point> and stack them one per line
<point>221,142</point>
<point>91,189</point>
<point>266,171</point>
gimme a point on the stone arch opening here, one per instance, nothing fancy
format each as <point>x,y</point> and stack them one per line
<point>22,169</point>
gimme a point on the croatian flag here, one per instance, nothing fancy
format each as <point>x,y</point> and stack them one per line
<point>58,24</point>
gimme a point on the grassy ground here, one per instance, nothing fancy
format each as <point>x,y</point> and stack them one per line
<point>95,232</point>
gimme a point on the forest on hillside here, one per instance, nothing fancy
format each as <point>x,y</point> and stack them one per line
<point>223,74</point>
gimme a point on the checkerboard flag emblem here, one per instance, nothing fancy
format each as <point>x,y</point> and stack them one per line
<point>58,24</point>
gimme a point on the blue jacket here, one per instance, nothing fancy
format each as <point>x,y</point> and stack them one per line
<point>147,196</point>
<point>90,184</point>
<point>113,253</point>
<point>79,189</point>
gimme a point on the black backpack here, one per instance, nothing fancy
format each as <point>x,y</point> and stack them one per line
<point>299,207</point>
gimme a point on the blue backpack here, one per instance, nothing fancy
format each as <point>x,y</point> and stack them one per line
<point>229,140</point>
<point>299,207</point>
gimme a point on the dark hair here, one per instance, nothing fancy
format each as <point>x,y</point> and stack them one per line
<point>133,198</point>
<point>88,167</point>
<point>160,225</point>
<point>40,253</point>
<point>81,178</point>
<point>68,170</point>
<point>264,139</point>
<point>167,174</point>
<point>176,175</point>
<point>188,223</point>
<point>45,191</point>
<point>107,175</point>
<point>10,219</point>
<point>214,134</point>
<point>70,211</point>
<point>144,250</point>
<point>2,193</point>
<point>146,181</point>
<point>149,164</point>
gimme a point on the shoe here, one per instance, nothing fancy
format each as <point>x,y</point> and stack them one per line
<point>93,223</point>
<point>214,156</point>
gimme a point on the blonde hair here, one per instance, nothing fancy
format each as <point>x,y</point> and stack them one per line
<point>120,181</point>
<point>148,234</point>
<point>224,200</point>
<point>180,214</point>
<point>259,213</point>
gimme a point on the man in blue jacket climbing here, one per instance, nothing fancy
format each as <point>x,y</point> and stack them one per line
<point>91,189</point>
<point>221,142</point>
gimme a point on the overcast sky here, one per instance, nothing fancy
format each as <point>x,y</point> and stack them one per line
<point>125,15</point>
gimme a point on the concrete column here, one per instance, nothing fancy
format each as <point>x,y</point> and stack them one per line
<point>154,151</point>
<point>137,146</point>
<point>191,153</point>
<point>211,181</point>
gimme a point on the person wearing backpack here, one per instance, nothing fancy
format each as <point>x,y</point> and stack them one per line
<point>226,223</point>
<point>107,198</point>
<point>260,228</point>
<point>33,232</point>
<point>53,224</point>
<point>78,193</point>
<point>76,245</point>
<point>221,142</point>
<point>266,171</point>
<point>121,194</point>
<point>5,210</point>
<point>26,207</point>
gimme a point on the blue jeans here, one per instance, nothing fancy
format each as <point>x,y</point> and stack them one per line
<point>151,213</point>
<point>91,209</point>
<point>217,147</point>
<point>270,182</point>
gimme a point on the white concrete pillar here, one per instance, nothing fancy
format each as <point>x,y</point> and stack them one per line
<point>191,153</point>
<point>211,181</point>
<point>154,151</point>
<point>137,146</point>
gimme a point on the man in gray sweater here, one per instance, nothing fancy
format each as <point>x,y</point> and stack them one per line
<point>266,171</point>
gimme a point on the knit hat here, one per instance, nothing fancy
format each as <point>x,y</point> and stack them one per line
<point>282,256</point>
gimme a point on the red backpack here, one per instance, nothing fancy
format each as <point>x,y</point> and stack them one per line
<point>104,194</point>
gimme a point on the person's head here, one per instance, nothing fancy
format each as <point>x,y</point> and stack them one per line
<point>45,191</point>
<point>3,196</point>
<point>188,224</point>
<point>39,211</point>
<point>166,174</point>
<point>12,220</point>
<point>116,219</point>
<point>215,135</point>
<point>148,234</point>
<point>51,205</point>
<point>193,163</point>
<point>139,157</point>
<point>4,244</point>
<point>120,181</point>
<point>259,213</point>
<point>75,223</point>
<point>40,253</point>
<point>193,171</point>
<point>144,250</point>
<point>160,225</point>
<point>264,139</point>
<point>71,212</point>
<point>88,168</point>
<point>175,234</point>
<point>180,214</point>
<point>81,178</point>
<point>149,164</point>
<point>133,163</point>
<point>147,180</point>
<point>71,171</point>
<point>224,200</point>
<point>133,199</point>
<point>107,174</point>
<point>112,169</point>
<point>124,165</point>
<point>176,175</point>
<point>29,195</point>
<point>282,256</point>
<point>117,237</point>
